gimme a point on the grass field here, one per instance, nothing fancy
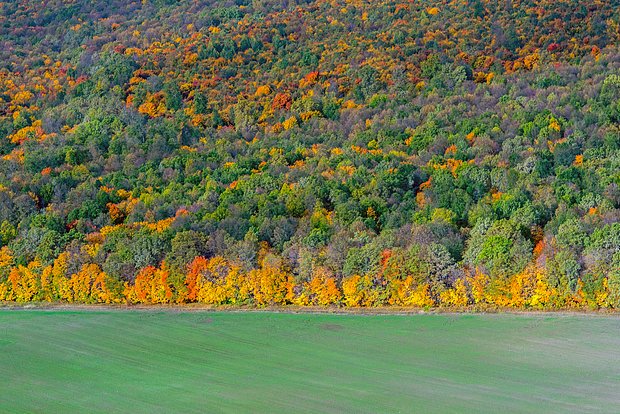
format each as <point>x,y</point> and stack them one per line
<point>203,362</point>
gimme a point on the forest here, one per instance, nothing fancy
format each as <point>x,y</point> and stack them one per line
<point>348,153</point>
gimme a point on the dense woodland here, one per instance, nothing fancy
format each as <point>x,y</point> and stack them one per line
<point>353,153</point>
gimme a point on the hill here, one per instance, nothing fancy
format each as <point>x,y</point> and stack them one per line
<point>358,153</point>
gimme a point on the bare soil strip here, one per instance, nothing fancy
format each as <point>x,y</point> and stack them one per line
<point>299,309</point>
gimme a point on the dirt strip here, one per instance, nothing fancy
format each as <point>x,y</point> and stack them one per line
<point>176,308</point>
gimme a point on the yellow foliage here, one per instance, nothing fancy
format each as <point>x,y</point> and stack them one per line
<point>350,104</point>
<point>497,293</point>
<point>263,90</point>
<point>158,226</point>
<point>351,292</point>
<point>330,293</point>
<point>531,61</point>
<point>601,297</point>
<point>154,106</point>
<point>60,287</point>
<point>321,290</point>
<point>47,286</point>
<point>456,296</point>
<point>578,160</point>
<point>22,97</point>
<point>543,293</point>
<point>408,293</point>
<point>24,283</point>
<point>305,116</point>
<point>80,284</point>
<point>269,285</point>
<point>289,123</point>
<point>347,169</point>
<point>101,290</point>
<point>34,131</point>
<point>478,284</point>
<point>554,125</point>
<point>480,77</point>
<point>521,287</point>
<point>420,297</point>
<point>217,281</point>
<point>6,257</point>
<point>190,59</point>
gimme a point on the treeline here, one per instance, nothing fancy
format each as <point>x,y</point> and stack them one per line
<point>217,281</point>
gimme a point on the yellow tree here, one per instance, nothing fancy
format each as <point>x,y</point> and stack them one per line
<point>215,282</point>
<point>24,282</point>
<point>351,291</point>
<point>269,285</point>
<point>161,291</point>
<point>359,291</point>
<point>457,296</point>
<point>322,289</point>
<point>147,287</point>
<point>104,288</point>
<point>408,292</point>
<point>60,283</point>
<point>478,282</point>
<point>81,283</point>
<point>6,262</point>
<point>543,295</point>
<point>521,287</point>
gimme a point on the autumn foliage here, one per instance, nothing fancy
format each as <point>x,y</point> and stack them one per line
<point>457,154</point>
<point>217,281</point>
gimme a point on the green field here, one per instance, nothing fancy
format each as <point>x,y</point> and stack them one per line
<point>205,362</point>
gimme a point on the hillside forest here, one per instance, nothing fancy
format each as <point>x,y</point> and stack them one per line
<point>358,153</point>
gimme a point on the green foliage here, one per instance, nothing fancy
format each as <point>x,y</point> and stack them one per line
<point>165,130</point>
<point>7,233</point>
<point>499,247</point>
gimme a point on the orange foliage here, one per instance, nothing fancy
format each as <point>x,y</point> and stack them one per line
<point>281,101</point>
<point>578,160</point>
<point>151,286</point>
<point>103,286</point>
<point>154,106</point>
<point>322,290</point>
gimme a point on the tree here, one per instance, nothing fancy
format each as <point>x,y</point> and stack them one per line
<point>185,246</point>
<point>498,247</point>
<point>7,233</point>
